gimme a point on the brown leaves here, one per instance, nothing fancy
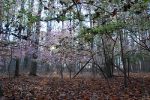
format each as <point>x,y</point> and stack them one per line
<point>43,88</point>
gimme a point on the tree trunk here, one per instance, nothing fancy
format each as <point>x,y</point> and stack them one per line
<point>123,60</point>
<point>37,34</point>
<point>70,72</point>
<point>33,69</point>
<point>1,12</point>
<point>108,62</point>
<point>25,63</point>
<point>128,60</point>
<point>93,70</point>
<point>1,91</point>
<point>61,72</point>
<point>17,68</point>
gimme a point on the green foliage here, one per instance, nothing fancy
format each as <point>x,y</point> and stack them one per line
<point>62,18</point>
<point>104,29</point>
<point>7,4</point>
<point>78,15</point>
<point>23,11</point>
<point>139,7</point>
<point>144,24</point>
<point>96,15</point>
<point>88,37</point>
<point>89,33</point>
<point>146,0</point>
<point>32,18</point>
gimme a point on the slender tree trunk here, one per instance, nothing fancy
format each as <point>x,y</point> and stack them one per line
<point>70,72</point>
<point>61,71</point>
<point>17,68</point>
<point>1,14</point>
<point>31,3</point>
<point>11,58</point>
<point>108,64</point>
<point>33,69</point>
<point>123,60</point>
<point>25,63</point>
<point>92,42</point>
<point>128,60</point>
<point>1,90</point>
<point>50,13</point>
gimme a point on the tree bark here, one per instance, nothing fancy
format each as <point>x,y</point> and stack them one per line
<point>123,60</point>
<point>33,69</point>
<point>17,68</point>
<point>1,14</point>
<point>108,62</point>
<point>1,91</point>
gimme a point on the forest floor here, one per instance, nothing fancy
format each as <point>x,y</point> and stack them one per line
<point>48,88</point>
